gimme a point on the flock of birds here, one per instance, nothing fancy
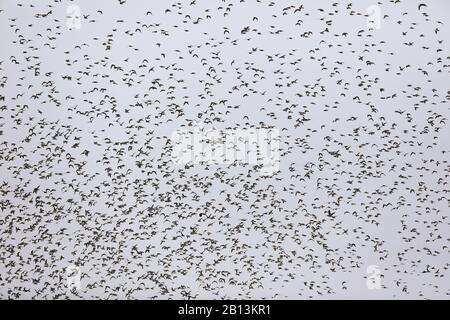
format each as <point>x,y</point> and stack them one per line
<point>87,180</point>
